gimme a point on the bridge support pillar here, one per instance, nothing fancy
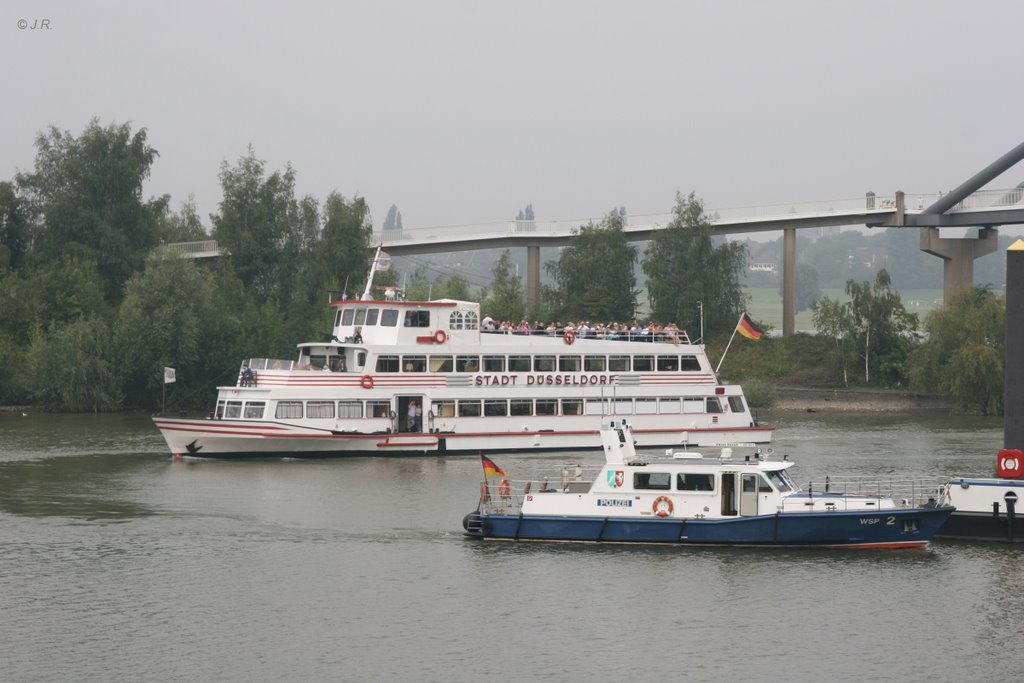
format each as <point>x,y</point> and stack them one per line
<point>958,257</point>
<point>532,279</point>
<point>789,282</point>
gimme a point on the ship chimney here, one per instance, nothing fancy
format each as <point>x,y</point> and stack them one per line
<point>1013,371</point>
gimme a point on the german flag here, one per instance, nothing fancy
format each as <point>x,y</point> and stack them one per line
<point>491,469</point>
<point>748,329</point>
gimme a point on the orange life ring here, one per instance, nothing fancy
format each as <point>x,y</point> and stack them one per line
<point>1010,463</point>
<point>440,337</point>
<point>662,506</point>
<point>366,382</point>
<point>505,489</point>
<point>569,336</point>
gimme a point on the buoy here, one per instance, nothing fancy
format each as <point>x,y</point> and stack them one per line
<point>1010,463</point>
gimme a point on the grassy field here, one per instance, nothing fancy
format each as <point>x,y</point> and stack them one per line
<point>766,304</point>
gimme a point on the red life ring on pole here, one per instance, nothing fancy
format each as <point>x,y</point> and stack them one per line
<point>569,336</point>
<point>505,489</point>
<point>662,506</point>
<point>366,382</point>
<point>440,337</point>
<point>1010,463</point>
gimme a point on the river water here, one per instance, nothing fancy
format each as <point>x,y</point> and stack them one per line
<point>119,564</point>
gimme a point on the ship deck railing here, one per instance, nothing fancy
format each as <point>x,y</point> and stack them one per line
<point>905,493</point>
<point>679,337</point>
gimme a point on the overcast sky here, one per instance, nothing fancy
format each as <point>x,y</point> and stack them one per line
<point>464,111</point>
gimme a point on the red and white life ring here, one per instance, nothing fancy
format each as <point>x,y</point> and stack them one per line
<point>662,506</point>
<point>1010,463</point>
<point>440,337</point>
<point>569,336</point>
<point>505,489</point>
<point>366,382</point>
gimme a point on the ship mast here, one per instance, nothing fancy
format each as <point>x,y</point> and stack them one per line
<point>369,278</point>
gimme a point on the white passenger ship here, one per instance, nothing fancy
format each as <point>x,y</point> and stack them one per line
<point>422,378</point>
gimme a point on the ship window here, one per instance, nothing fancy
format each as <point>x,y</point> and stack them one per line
<point>378,408</point>
<point>668,363</point>
<point>350,408</point>
<point>618,363</point>
<point>346,316</point>
<point>320,409</point>
<point>763,486</point>
<point>594,363</point>
<point>467,363</point>
<point>470,320</point>
<point>623,406</point>
<point>544,364</point>
<point>646,406</point>
<point>234,409</point>
<point>736,404</point>
<point>689,363</point>
<point>469,408</point>
<point>569,363</point>
<point>254,410</point>
<point>387,363</point>
<point>695,482</point>
<point>440,363</point>
<point>288,410</point>
<point>361,359</point>
<point>520,407</point>
<point>360,316</point>
<point>713,405</point>
<point>658,481</point>
<point>643,363</point>
<point>779,478</point>
<point>444,408</point>
<point>389,317</point>
<point>693,405</point>
<point>220,410</point>
<point>668,406</point>
<point>595,406</point>
<point>494,363</point>
<point>371,316</point>
<point>518,363</point>
<point>495,408</point>
<point>318,361</point>
<point>455,321</point>
<point>417,318</point>
<point>547,406</point>
<point>571,406</point>
<point>414,363</point>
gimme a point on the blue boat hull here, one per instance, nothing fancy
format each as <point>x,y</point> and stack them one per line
<point>887,528</point>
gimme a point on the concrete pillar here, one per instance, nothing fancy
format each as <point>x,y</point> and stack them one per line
<point>789,282</point>
<point>958,256</point>
<point>532,279</point>
<point>1013,377</point>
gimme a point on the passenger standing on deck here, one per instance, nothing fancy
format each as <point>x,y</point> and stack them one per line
<point>414,414</point>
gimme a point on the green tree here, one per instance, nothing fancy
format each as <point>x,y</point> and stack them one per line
<point>504,300</point>
<point>595,272</point>
<point>184,225</point>
<point>86,200</point>
<point>72,368</point>
<point>834,319</point>
<point>684,267</point>
<point>964,352</point>
<point>345,254</point>
<point>15,237</point>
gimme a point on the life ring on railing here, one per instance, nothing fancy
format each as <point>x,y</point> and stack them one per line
<point>569,336</point>
<point>1010,463</point>
<point>662,506</point>
<point>366,382</point>
<point>440,337</point>
<point>505,489</point>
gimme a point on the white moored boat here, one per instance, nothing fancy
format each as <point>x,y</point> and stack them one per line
<point>422,377</point>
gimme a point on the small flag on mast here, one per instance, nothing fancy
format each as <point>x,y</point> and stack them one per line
<point>748,329</point>
<point>169,376</point>
<point>490,468</point>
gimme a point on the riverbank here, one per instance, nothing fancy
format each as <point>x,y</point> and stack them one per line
<point>815,399</point>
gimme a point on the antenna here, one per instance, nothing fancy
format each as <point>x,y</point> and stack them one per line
<point>369,278</point>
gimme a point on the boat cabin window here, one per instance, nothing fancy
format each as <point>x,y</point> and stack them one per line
<point>736,404</point>
<point>320,409</point>
<point>520,407</point>
<point>361,359</point>
<point>338,364</point>
<point>456,321</point>
<point>441,364</point>
<point>594,363</point>
<point>623,406</point>
<point>668,363</point>
<point>371,316</point>
<point>543,363</point>
<point>350,409</point>
<point>669,406</point>
<point>569,363</point>
<point>360,316</point>
<point>781,481</point>
<point>689,363</point>
<point>444,408</point>
<point>596,406</point>
<point>233,409</point>
<point>646,406</point>
<point>389,317</point>
<point>378,408</point>
<point>643,363</point>
<point>219,413</point>
<point>695,482</point>
<point>467,363</point>
<point>288,410</point>
<point>494,363</point>
<point>346,316</point>
<point>495,408</point>
<point>618,363</point>
<point>417,318</point>
<point>657,481</point>
<point>469,408</point>
<point>713,405</point>
<point>254,410</point>
<point>470,320</point>
<point>693,405</point>
<point>547,406</point>
<point>317,361</point>
<point>414,363</point>
<point>518,363</point>
<point>387,363</point>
